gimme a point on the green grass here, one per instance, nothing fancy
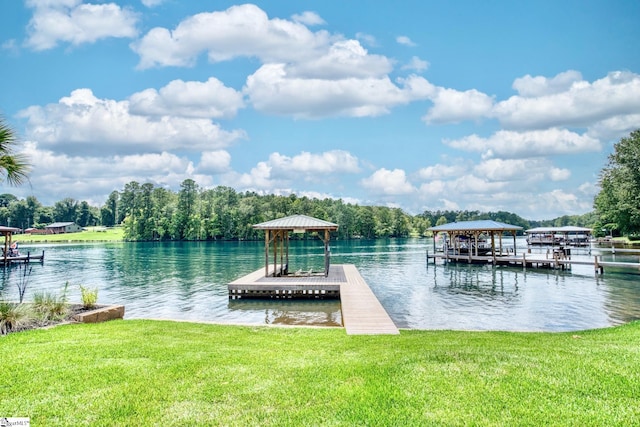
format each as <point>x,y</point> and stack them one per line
<point>91,235</point>
<point>147,373</point>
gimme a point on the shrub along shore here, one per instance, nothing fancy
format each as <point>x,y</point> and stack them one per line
<point>145,373</point>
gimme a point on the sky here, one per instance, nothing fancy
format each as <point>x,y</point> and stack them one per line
<point>421,105</point>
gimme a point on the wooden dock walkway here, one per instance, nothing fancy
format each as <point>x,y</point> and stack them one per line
<point>362,313</point>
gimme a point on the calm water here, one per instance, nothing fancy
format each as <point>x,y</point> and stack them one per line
<point>187,280</point>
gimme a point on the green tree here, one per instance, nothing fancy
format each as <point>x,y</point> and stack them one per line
<point>187,224</point>
<point>109,212</point>
<point>86,215</point>
<point>164,207</point>
<point>66,210</point>
<point>618,201</point>
<point>43,216</point>
<point>14,167</point>
<point>21,215</point>
<point>365,222</point>
<point>146,220</point>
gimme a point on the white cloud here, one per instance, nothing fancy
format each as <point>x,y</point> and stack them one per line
<point>243,30</point>
<point>609,105</point>
<point>152,3</point>
<point>317,166</point>
<point>367,39</point>
<point>558,174</point>
<point>214,162</point>
<point>258,178</point>
<point>271,90</point>
<point>472,184</point>
<point>540,143</point>
<point>440,171</point>
<point>308,18</point>
<point>82,123</point>
<point>281,171</point>
<point>344,59</point>
<point>581,104</point>
<point>453,106</point>
<point>388,183</point>
<point>550,204</point>
<point>529,86</point>
<point>614,128</point>
<point>433,188</point>
<point>93,177</point>
<point>416,64</point>
<point>404,40</point>
<point>507,170</point>
<point>77,23</point>
<point>210,99</point>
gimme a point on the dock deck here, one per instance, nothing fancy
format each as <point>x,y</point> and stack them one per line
<point>22,258</point>
<point>534,261</point>
<point>362,313</point>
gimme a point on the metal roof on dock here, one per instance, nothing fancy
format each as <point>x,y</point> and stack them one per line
<point>296,222</point>
<point>480,225</point>
<point>564,229</point>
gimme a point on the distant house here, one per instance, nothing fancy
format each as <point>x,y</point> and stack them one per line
<point>62,227</point>
<point>33,230</point>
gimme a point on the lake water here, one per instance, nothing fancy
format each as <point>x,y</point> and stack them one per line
<point>188,281</point>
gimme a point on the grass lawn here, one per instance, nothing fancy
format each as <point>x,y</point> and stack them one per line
<point>95,234</point>
<point>148,373</point>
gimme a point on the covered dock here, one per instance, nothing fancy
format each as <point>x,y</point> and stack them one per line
<point>276,238</point>
<point>475,240</point>
<point>362,313</point>
<point>559,236</point>
<point>10,252</point>
<point>468,241</point>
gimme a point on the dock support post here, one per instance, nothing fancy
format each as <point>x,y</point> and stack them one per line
<point>597,266</point>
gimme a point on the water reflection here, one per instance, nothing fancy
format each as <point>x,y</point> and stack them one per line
<point>282,312</point>
<point>187,280</point>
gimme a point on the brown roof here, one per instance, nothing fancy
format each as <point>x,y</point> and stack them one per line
<point>4,229</point>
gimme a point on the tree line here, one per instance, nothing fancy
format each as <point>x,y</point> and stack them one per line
<point>149,212</point>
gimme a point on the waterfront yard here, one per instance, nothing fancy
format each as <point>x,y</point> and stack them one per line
<point>91,234</point>
<point>143,372</point>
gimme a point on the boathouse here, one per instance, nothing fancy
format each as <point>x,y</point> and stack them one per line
<point>474,239</point>
<point>559,236</point>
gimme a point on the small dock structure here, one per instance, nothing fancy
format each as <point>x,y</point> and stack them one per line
<point>362,313</point>
<point>559,236</point>
<point>475,238</point>
<point>468,241</point>
<point>10,253</point>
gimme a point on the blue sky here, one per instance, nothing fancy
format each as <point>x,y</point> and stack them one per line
<point>423,105</point>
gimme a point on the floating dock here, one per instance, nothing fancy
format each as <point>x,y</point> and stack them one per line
<point>362,313</point>
<point>22,259</point>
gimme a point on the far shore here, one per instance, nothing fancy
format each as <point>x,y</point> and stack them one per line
<point>91,234</point>
<point>116,234</point>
